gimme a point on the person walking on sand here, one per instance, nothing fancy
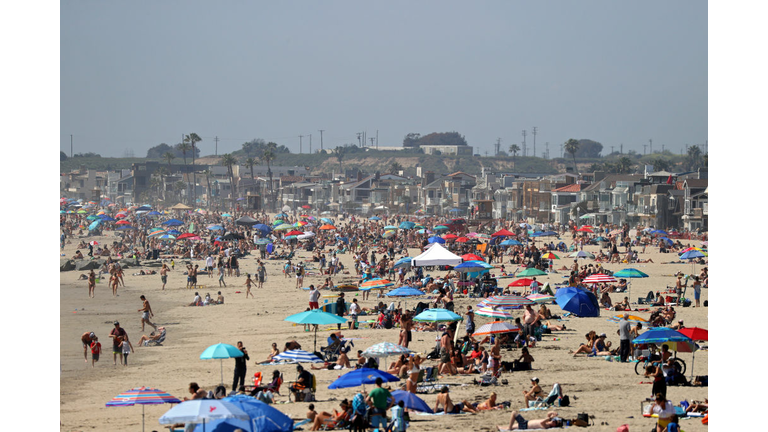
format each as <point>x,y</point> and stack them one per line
<point>91,284</point>
<point>127,348</point>
<point>164,275</point>
<point>247,284</point>
<point>116,334</point>
<point>87,338</point>
<point>95,351</point>
<point>113,281</point>
<point>262,273</point>
<point>146,313</point>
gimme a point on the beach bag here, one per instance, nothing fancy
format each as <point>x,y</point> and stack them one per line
<point>565,401</point>
<point>582,419</point>
<point>623,428</point>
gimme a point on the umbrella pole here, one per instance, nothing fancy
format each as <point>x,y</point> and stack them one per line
<point>221,363</point>
<point>142,417</point>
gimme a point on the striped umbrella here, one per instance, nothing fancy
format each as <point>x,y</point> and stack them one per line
<point>142,396</point>
<point>599,278</point>
<point>632,318</point>
<point>283,227</point>
<point>508,301</point>
<point>495,327</point>
<point>297,356</point>
<point>493,313</point>
<point>550,255</point>
<point>377,283</point>
<point>540,298</point>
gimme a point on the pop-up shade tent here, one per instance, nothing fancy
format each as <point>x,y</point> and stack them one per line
<point>436,255</point>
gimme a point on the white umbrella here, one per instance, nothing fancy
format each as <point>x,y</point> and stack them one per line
<point>202,410</point>
<point>386,349</point>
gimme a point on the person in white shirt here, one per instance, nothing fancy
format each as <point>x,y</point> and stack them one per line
<point>209,265</point>
<point>314,297</point>
<point>354,310</point>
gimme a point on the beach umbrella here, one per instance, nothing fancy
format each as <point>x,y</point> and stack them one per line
<point>165,236</point>
<point>462,239</point>
<point>405,291</point>
<point>407,225</point>
<point>390,227</point>
<point>488,311</point>
<point>81,211</point>
<point>495,327</point>
<point>524,282</point>
<point>360,377</point>
<point>675,340</point>
<point>294,233</point>
<point>298,356</point>
<point>172,222</point>
<point>692,255</point>
<point>403,262</point>
<point>188,235</point>
<point>142,396</point>
<point>277,222</point>
<point>550,256</point>
<point>374,218</point>
<point>450,237</point>
<point>221,351</point>
<point>327,227</point>
<point>577,301</point>
<point>658,232</point>
<point>440,228</point>
<point>632,318</point>
<point>389,234</point>
<point>281,215</point>
<point>532,272</point>
<point>377,283</point>
<point>263,241</point>
<point>436,315</point>
<point>385,349</point>
<point>122,222</point>
<point>502,233</point>
<point>125,227</point>
<point>436,239</point>
<point>510,242</point>
<point>283,227</point>
<point>424,231</point>
<point>585,229</point>
<point>630,273</point>
<point>202,411</point>
<point>695,333</point>
<point>581,254</point>
<point>94,225</point>
<point>263,417</point>
<point>214,228</point>
<point>93,218</point>
<point>264,229</point>
<point>315,317</point>
<point>540,298</point>
<point>598,278</point>
<point>472,266</point>
<point>507,301</point>
<point>411,401</point>
<point>471,257</point>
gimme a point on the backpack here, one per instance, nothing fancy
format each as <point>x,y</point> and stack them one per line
<point>565,401</point>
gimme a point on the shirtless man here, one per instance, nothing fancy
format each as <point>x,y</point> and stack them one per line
<point>446,352</point>
<point>489,404</point>
<point>517,421</point>
<point>87,338</point>
<point>444,399</point>
<point>495,356</point>
<point>164,274</point>
<point>146,313</point>
<point>91,284</point>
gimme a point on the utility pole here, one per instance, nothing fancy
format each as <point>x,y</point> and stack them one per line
<point>644,147</point>
<point>371,138</point>
<point>321,138</point>
<point>562,150</point>
<point>662,148</point>
<point>359,134</point>
<point>621,148</point>
<point>377,139</point>
<point>651,142</point>
<point>546,145</point>
<point>706,147</point>
<point>486,153</point>
<point>310,143</point>
<point>300,144</point>
<point>497,145</point>
<point>611,149</point>
<point>525,148</point>
<point>216,140</point>
<point>534,141</point>
<point>71,146</point>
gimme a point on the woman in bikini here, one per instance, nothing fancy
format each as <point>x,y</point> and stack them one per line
<point>248,283</point>
<point>414,365</point>
<point>275,351</point>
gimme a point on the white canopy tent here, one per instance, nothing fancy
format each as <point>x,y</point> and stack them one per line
<point>436,255</point>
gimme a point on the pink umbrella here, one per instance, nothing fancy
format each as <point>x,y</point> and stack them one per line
<point>599,278</point>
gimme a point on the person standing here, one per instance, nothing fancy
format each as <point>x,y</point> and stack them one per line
<point>314,296</point>
<point>127,348</point>
<point>624,330</point>
<point>341,307</point>
<point>164,275</point>
<point>696,290</point>
<point>91,284</point>
<point>380,400</point>
<point>209,265</point>
<point>240,367</point>
<point>117,334</point>
<point>262,272</point>
<point>95,350</point>
<point>247,284</point>
<point>469,321</point>
<point>146,313</point>
<point>354,310</point>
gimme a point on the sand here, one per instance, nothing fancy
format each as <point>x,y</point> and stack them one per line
<point>610,391</point>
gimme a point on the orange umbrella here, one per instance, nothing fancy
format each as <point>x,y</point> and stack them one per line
<point>327,227</point>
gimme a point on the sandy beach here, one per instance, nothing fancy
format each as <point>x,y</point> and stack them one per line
<point>609,391</point>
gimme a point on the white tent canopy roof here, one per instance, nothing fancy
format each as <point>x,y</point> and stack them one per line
<point>436,255</point>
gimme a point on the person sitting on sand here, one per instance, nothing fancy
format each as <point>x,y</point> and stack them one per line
<point>602,348</point>
<point>623,305</point>
<point>488,404</point>
<point>275,351</point>
<point>524,362</point>
<point>78,255</point>
<point>534,393</point>
<point>605,300</point>
<point>586,348</point>
<point>198,301</point>
<point>152,336</point>
<point>220,299</point>
<point>554,327</point>
<point>697,406</point>
<point>517,421</point>
<point>444,399</point>
<point>291,345</point>
<point>336,417</point>
<point>196,392</point>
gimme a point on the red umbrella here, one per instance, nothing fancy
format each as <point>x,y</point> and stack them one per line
<point>471,257</point>
<point>306,206</point>
<point>450,237</point>
<point>502,232</point>
<point>695,333</point>
<point>524,282</point>
<point>186,235</point>
<point>122,222</point>
<point>294,232</point>
<point>462,239</point>
<point>585,229</point>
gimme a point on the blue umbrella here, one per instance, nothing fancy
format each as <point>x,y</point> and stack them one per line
<point>510,242</point>
<point>472,266</point>
<point>94,225</point>
<point>578,302</point>
<point>453,210</point>
<point>174,232</point>
<point>362,376</point>
<point>214,228</point>
<point>265,229</point>
<point>411,401</point>
<point>664,335</point>
<point>264,418</point>
<point>172,222</point>
<point>374,218</point>
<point>221,351</point>
<point>281,215</point>
<point>407,225</point>
<point>659,232</point>
<point>125,227</point>
<point>436,315</point>
<point>692,254</point>
<point>436,239</point>
<point>668,241</point>
<point>106,218</point>
<point>403,262</point>
<point>326,220</point>
<point>154,213</point>
<point>405,291</point>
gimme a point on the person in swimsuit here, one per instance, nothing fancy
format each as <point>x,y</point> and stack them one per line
<point>444,399</point>
<point>247,284</point>
<point>164,274</point>
<point>414,363</point>
<point>146,313</point>
<point>534,393</point>
<point>517,421</point>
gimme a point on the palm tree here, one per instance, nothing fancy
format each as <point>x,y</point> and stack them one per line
<point>168,156</point>
<point>623,165</point>
<point>572,146</point>
<point>693,158</point>
<point>268,156</point>
<point>595,167</point>
<point>250,162</point>
<point>340,156</point>
<point>395,167</point>
<point>178,187</point>
<point>208,176</point>
<point>514,149</point>
<point>162,172</point>
<point>660,164</point>
<point>229,161</point>
<point>184,148</point>
<point>192,139</point>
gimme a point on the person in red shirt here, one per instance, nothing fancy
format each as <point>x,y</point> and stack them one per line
<point>95,350</point>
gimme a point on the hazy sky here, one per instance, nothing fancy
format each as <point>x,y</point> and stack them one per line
<point>136,74</point>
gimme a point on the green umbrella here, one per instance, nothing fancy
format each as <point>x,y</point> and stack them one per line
<point>316,317</point>
<point>283,227</point>
<point>531,272</point>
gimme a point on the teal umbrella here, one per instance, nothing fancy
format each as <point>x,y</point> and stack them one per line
<point>316,317</point>
<point>94,225</point>
<point>531,272</point>
<point>436,315</point>
<point>221,351</point>
<point>630,273</point>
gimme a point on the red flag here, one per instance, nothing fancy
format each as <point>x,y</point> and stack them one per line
<point>669,180</point>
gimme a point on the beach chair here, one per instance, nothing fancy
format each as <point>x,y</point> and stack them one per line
<point>429,382</point>
<point>158,342</point>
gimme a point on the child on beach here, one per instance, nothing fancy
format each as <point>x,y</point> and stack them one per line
<point>127,349</point>
<point>247,284</point>
<point>221,276</point>
<point>95,350</point>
